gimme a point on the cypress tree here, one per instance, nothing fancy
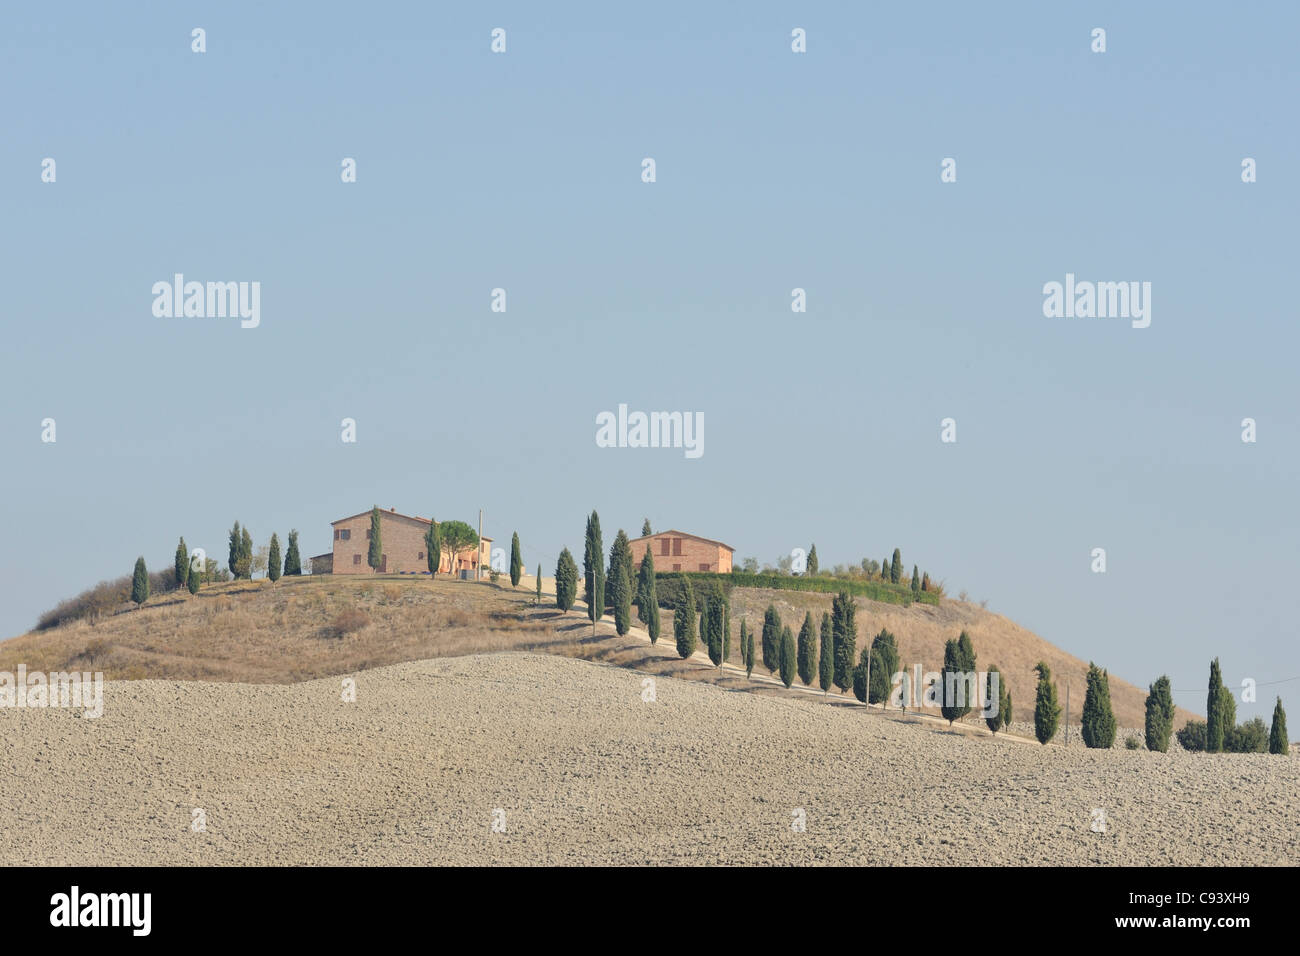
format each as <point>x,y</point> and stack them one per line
<point>645,529</point>
<point>539,585</point>
<point>292,559</point>
<point>955,679</point>
<point>620,553</point>
<point>861,674</point>
<point>232,558</point>
<point>566,581</point>
<point>1047,713</point>
<point>193,581</point>
<point>645,583</point>
<point>182,564</point>
<point>622,597</point>
<point>1097,725</point>
<point>516,561</point>
<point>896,567</point>
<point>140,583</point>
<point>717,621</point>
<point>594,570</point>
<point>812,561</point>
<point>246,553</point>
<point>884,570</point>
<point>826,655</point>
<point>807,650</point>
<point>884,665</point>
<point>916,581</point>
<point>652,598</point>
<point>788,654</point>
<point>746,643</point>
<point>996,687</point>
<point>273,559</point>
<point>1159,715</point>
<point>376,555</point>
<point>726,627</point>
<point>967,650</point>
<point>1214,711</point>
<point>684,620</point>
<point>1277,740</point>
<point>771,639</point>
<point>925,581</point>
<point>433,548</point>
<point>844,626</point>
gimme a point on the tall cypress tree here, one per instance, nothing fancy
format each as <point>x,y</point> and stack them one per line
<point>193,581</point>
<point>273,559</point>
<point>884,665</point>
<point>717,616</point>
<point>1215,728</point>
<point>826,655</point>
<point>862,674</point>
<point>246,553</point>
<point>621,592</point>
<point>292,557</point>
<point>684,620</point>
<point>807,650</point>
<point>955,681</point>
<point>896,567</point>
<point>375,556</point>
<point>845,629</point>
<point>747,647</point>
<point>566,581</point>
<point>140,583</point>
<point>1097,725</point>
<point>182,568</point>
<point>645,529</point>
<point>1277,740</point>
<point>645,582</point>
<point>1159,715</point>
<point>771,639</point>
<point>516,561</point>
<point>621,553</point>
<point>232,558</point>
<point>1047,712</point>
<point>995,688</point>
<point>539,585</point>
<point>916,581</point>
<point>594,570</point>
<point>884,570</point>
<point>726,627</point>
<point>812,561</point>
<point>788,654</point>
<point>433,548</point>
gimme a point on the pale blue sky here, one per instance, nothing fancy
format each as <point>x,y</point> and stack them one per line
<point>775,170</point>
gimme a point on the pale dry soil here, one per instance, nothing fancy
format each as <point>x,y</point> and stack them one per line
<point>586,771</point>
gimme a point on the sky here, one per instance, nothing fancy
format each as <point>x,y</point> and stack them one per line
<point>774,170</point>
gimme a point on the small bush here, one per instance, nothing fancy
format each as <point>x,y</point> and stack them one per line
<point>1132,743</point>
<point>1248,738</point>
<point>1193,736</point>
<point>348,621</point>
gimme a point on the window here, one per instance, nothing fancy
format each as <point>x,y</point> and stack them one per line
<point>336,534</point>
<point>367,534</point>
<point>677,567</point>
<point>356,559</point>
<point>677,547</point>
<point>344,534</point>
<point>419,556</point>
<point>663,547</point>
<point>704,567</point>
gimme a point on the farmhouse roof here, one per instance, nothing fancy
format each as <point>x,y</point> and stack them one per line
<point>684,534</point>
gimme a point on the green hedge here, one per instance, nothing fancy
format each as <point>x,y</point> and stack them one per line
<point>668,584</point>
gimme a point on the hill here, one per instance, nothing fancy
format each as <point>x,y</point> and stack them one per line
<point>308,627</point>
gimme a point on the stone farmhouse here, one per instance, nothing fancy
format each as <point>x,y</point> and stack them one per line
<point>402,538</point>
<point>679,551</point>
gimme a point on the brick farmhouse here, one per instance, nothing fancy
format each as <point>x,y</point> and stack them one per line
<point>402,538</point>
<point>679,551</point>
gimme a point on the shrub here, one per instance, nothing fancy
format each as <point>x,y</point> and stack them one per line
<point>1248,738</point>
<point>1132,743</point>
<point>348,621</point>
<point>1192,736</point>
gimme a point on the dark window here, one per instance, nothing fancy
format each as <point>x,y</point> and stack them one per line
<point>704,567</point>
<point>345,534</point>
<point>677,567</point>
<point>367,534</point>
<point>419,556</point>
<point>663,546</point>
<point>356,559</point>
<point>336,534</point>
<point>677,547</point>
